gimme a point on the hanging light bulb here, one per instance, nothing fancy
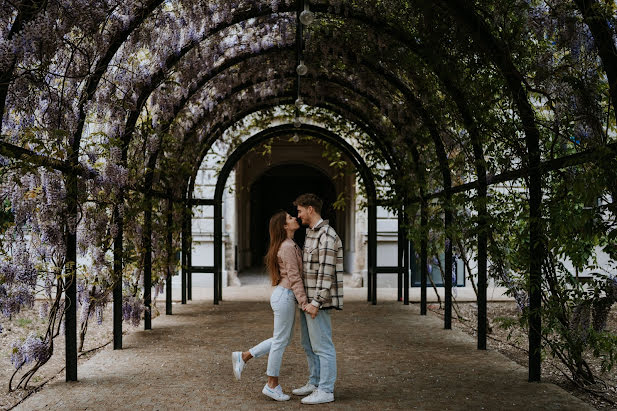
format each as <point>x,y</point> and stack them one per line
<point>307,17</point>
<point>297,122</point>
<point>301,69</point>
<point>299,102</point>
<point>295,138</point>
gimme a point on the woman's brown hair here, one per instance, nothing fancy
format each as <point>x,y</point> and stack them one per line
<point>277,236</point>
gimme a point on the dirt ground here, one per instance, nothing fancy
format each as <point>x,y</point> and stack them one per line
<point>389,357</point>
<point>513,344</point>
<point>28,321</point>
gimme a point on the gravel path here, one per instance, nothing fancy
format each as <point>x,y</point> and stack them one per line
<point>389,357</point>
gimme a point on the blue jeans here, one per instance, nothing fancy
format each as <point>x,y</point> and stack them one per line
<point>283,303</point>
<point>319,349</point>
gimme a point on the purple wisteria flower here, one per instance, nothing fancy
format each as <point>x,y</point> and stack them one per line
<point>132,309</point>
<point>17,288</point>
<point>33,349</point>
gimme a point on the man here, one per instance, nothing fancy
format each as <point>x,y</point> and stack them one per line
<point>322,273</point>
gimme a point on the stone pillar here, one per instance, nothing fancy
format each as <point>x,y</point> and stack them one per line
<point>230,231</point>
<point>360,273</point>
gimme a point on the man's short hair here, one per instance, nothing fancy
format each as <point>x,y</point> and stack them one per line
<point>309,199</point>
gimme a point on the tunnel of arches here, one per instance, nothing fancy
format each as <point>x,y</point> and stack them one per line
<point>117,105</point>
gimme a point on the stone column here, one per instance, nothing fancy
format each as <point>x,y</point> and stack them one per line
<point>359,275</point>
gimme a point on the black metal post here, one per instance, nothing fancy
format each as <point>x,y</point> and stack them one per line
<point>536,250</point>
<point>218,246</point>
<point>117,292</point>
<point>70,290</point>
<point>220,294</point>
<point>169,247</point>
<point>168,292</point>
<point>147,245</point>
<point>405,261</point>
<point>309,130</point>
<point>369,282</point>
<point>448,265</point>
<point>482,264</point>
<point>423,256</point>
<point>185,249</point>
<point>223,261</point>
<point>189,256</point>
<point>372,250</point>
<point>400,256</point>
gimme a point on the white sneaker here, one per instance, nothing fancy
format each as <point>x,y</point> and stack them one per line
<point>275,393</point>
<point>318,397</point>
<point>305,390</point>
<point>237,363</point>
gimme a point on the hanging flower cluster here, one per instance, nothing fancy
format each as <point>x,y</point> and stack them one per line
<point>132,309</point>
<point>34,349</point>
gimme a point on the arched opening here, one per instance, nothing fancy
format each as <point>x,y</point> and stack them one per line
<point>276,189</point>
<point>269,134</point>
<point>270,181</point>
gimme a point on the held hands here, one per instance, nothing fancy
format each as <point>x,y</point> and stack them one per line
<point>311,309</point>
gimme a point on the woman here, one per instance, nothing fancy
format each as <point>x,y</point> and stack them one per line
<point>284,263</point>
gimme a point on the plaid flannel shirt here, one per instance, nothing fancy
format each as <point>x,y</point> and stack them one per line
<point>322,261</point>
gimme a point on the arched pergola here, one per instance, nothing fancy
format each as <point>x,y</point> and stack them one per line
<point>154,85</point>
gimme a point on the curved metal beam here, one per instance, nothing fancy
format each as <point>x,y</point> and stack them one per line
<point>220,129</point>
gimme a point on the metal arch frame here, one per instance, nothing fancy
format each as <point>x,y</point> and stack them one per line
<point>439,149</point>
<point>389,157</point>
<point>396,35</point>
<point>187,268</point>
<point>189,185</point>
<point>313,131</point>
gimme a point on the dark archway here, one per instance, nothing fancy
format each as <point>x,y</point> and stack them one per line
<point>276,189</point>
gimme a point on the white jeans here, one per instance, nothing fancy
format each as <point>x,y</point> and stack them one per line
<point>283,303</point>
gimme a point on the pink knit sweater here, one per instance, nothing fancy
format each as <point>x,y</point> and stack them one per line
<point>290,264</point>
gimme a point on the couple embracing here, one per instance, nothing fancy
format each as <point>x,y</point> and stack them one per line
<point>311,280</point>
